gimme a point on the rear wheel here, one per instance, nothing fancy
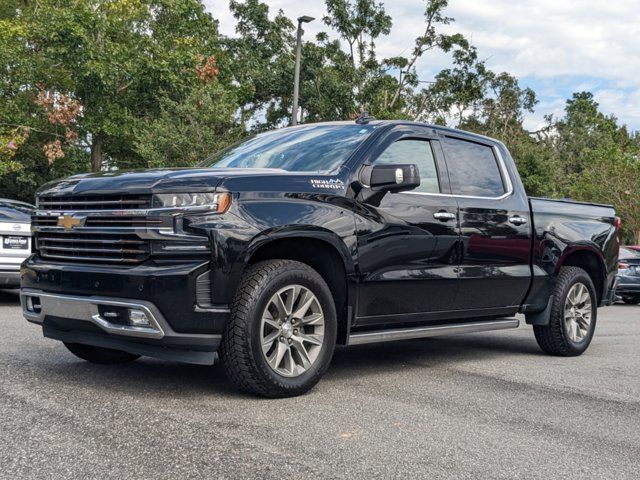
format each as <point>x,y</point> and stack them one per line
<point>99,354</point>
<point>631,299</point>
<point>282,332</point>
<point>573,315</point>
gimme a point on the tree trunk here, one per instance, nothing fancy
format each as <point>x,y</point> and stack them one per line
<point>96,153</point>
<point>637,238</point>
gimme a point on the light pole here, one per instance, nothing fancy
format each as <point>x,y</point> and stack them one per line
<point>296,76</point>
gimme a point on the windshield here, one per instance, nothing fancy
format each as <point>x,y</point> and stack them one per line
<point>14,211</point>
<point>312,148</point>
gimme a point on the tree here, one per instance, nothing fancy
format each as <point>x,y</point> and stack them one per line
<point>188,131</point>
<point>326,91</point>
<point>262,63</point>
<point>429,40</point>
<point>359,22</point>
<point>456,92</point>
<point>114,59</point>
<point>600,161</point>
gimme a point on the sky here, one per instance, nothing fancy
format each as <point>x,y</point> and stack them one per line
<point>555,47</point>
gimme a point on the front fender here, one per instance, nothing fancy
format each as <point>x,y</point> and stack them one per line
<point>254,222</point>
<point>342,245</point>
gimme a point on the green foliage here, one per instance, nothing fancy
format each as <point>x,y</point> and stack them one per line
<point>359,22</point>
<point>600,161</point>
<point>116,58</point>
<point>262,56</point>
<point>186,132</point>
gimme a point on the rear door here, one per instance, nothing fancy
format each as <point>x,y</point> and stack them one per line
<point>407,246</point>
<point>495,228</point>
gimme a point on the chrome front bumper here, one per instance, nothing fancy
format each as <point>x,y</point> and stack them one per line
<point>9,279</point>
<point>87,309</point>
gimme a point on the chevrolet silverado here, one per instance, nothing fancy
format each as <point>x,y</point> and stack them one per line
<point>282,246</point>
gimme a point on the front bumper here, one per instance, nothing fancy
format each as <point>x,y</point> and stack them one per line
<point>627,284</point>
<point>172,288</point>
<point>78,319</point>
<point>9,279</point>
<point>627,288</point>
<point>71,297</point>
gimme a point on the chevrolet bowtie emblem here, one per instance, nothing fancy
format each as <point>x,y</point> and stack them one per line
<point>70,222</point>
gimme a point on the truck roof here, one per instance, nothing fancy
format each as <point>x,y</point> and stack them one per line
<point>440,128</point>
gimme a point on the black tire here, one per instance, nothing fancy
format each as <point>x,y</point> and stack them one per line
<point>101,355</point>
<point>554,338</point>
<point>631,299</point>
<point>241,351</point>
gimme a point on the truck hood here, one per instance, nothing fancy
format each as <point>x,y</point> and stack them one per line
<point>153,181</point>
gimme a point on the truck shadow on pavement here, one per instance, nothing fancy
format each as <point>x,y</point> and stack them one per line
<point>426,353</point>
<point>175,380</point>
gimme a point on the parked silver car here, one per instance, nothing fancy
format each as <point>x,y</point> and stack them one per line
<point>15,240</point>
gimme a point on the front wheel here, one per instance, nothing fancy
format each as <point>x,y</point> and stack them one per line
<point>573,315</point>
<point>99,354</point>
<point>282,332</point>
<point>631,299</point>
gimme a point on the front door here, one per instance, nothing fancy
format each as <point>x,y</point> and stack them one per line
<point>407,246</point>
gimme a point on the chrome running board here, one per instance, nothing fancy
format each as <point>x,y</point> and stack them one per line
<point>359,338</point>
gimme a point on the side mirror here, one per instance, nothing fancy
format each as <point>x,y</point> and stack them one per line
<point>393,178</point>
<point>377,180</point>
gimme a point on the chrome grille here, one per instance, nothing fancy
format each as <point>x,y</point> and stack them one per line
<point>92,247</point>
<point>94,202</point>
<point>99,228</point>
<point>102,221</point>
<point>44,221</point>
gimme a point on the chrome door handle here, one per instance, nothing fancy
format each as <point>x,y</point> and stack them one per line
<point>444,216</point>
<point>517,220</point>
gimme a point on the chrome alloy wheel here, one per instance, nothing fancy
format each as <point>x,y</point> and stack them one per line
<point>577,312</point>
<point>292,330</point>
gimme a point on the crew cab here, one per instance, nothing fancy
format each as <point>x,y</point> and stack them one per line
<point>282,246</point>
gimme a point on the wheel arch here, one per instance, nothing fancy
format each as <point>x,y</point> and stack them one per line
<point>587,258</point>
<point>321,250</point>
<point>591,261</point>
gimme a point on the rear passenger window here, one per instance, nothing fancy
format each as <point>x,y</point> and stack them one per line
<point>417,152</point>
<point>473,169</point>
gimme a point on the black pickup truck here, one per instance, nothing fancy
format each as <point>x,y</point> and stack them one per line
<point>282,246</point>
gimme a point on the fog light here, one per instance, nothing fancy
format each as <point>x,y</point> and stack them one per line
<point>138,318</point>
<point>33,304</point>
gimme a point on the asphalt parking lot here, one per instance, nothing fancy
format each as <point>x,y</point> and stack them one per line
<point>485,405</point>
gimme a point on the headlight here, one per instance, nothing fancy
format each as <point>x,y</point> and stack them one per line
<point>218,202</point>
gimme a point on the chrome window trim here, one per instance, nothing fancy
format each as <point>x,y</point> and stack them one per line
<point>505,175</point>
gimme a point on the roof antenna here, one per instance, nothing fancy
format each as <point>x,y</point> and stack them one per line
<point>364,118</point>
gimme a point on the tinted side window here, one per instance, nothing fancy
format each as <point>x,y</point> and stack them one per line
<point>473,169</point>
<point>418,152</point>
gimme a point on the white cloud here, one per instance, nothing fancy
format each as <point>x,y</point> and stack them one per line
<point>593,43</point>
<point>550,38</point>
<point>624,105</point>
